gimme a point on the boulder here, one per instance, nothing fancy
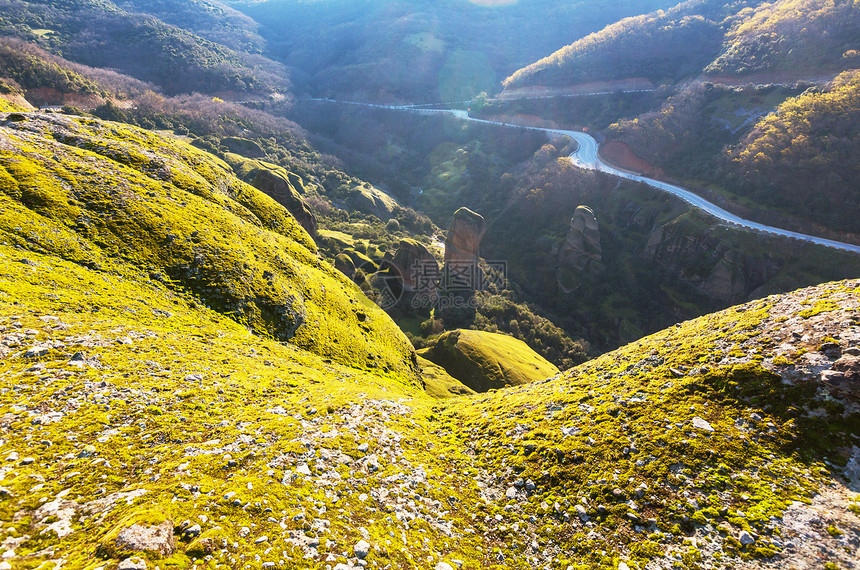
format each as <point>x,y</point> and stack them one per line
<point>370,200</point>
<point>149,531</point>
<point>344,264</point>
<point>361,261</point>
<point>417,266</point>
<point>244,147</point>
<point>484,360</point>
<point>278,187</point>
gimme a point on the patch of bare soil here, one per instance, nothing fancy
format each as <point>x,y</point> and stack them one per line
<point>620,155</point>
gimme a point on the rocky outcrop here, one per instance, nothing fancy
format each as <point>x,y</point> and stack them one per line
<point>370,200</point>
<point>416,265</point>
<point>843,378</point>
<point>464,238</point>
<point>705,261</point>
<point>147,531</point>
<point>580,254</point>
<point>344,264</point>
<point>244,147</point>
<point>280,189</point>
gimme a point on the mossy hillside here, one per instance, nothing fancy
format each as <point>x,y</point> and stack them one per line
<point>8,106</point>
<point>687,437</point>
<point>107,195</point>
<point>125,399</point>
<point>438,383</point>
<point>484,360</point>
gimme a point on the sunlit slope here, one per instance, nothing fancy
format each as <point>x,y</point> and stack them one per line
<point>692,444</point>
<point>484,360</point>
<point>137,422</point>
<point>114,197</point>
<point>804,156</point>
<point>794,36</point>
<point>800,38</point>
<point>660,45</point>
<point>129,411</point>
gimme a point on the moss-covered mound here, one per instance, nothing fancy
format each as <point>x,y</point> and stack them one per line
<point>118,198</point>
<point>484,361</point>
<point>438,383</point>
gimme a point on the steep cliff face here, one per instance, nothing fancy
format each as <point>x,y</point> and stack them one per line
<point>650,262</point>
<point>717,269</point>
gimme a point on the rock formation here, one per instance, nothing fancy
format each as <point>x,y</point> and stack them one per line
<point>843,378</point>
<point>708,263</point>
<point>344,264</point>
<point>464,238</point>
<point>417,266</point>
<point>282,191</point>
<point>580,253</point>
<point>370,200</point>
<point>244,147</point>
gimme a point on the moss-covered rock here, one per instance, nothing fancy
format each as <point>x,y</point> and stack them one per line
<point>147,531</point>
<point>484,361</point>
<point>275,182</point>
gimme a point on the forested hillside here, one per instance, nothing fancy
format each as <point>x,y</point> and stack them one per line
<point>98,33</point>
<point>803,157</point>
<point>798,36</point>
<point>789,151</point>
<point>712,36</point>
<point>663,45</point>
<point>211,20</point>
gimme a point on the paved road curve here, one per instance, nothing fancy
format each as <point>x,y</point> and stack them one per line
<point>585,156</point>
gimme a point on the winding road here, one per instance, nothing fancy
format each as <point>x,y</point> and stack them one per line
<point>586,156</point>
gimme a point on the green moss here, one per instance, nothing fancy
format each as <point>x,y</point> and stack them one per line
<point>206,544</point>
<point>834,532</point>
<point>820,306</point>
<point>438,383</point>
<point>177,399</point>
<point>147,517</point>
<point>108,194</point>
